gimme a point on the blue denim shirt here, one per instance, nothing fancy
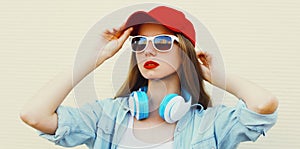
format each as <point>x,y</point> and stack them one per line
<point>101,125</point>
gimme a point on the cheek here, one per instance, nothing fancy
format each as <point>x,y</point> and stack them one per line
<point>174,60</point>
<point>139,58</point>
<point>169,62</point>
<point>139,63</point>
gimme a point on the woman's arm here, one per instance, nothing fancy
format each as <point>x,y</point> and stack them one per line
<point>256,98</point>
<point>40,111</point>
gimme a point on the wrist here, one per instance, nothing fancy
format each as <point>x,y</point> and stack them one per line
<point>234,84</point>
<point>219,80</point>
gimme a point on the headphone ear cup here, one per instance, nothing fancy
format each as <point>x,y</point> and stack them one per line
<point>138,104</point>
<point>173,108</point>
<point>178,108</point>
<point>164,103</point>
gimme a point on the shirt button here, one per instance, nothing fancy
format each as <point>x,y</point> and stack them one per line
<point>106,129</point>
<point>178,129</point>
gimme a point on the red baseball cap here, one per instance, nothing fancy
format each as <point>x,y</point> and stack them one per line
<point>172,19</point>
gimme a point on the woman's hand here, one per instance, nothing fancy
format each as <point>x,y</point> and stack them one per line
<point>205,62</point>
<point>98,46</point>
<point>256,98</point>
<point>112,41</point>
<point>213,71</point>
<point>52,95</point>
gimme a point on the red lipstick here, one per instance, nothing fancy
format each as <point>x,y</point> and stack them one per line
<point>150,65</point>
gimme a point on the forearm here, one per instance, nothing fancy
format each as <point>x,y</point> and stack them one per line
<point>256,98</point>
<point>39,112</point>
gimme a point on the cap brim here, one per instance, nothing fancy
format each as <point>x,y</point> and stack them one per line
<point>139,17</point>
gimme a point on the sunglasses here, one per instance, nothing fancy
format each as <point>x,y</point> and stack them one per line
<point>162,43</point>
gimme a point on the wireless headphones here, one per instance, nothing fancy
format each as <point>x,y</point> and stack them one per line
<point>172,108</point>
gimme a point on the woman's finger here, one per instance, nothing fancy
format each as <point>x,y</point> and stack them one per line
<point>119,31</point>
<point>206,73</point>
<point>124,36</point>
<point>203,57</point>
<point>198,52</point>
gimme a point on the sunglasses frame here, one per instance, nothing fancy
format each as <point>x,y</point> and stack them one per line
<point>151,38</point>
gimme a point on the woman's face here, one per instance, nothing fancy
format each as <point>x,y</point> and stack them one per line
<point>154,64</point>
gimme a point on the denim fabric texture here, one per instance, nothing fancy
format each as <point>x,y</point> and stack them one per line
<point>101,124</point>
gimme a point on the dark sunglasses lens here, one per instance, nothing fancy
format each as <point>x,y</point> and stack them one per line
<point>163,42</point>
<point>138,43</point>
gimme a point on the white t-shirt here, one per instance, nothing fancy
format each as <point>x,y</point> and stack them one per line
<point>129,141</point>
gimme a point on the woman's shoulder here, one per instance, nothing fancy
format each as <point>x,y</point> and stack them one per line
<point>112,101</point>
<point>229,115</point>
<point>112,104</point>
<point>200,112</point>
<point>212,114</point>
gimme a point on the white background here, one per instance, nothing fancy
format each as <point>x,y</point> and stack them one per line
<point>259,40</point>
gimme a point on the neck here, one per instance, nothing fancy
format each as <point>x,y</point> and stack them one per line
<point>159,88</point>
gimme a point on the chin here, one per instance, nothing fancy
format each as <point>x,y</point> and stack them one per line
<point>156,76</point>
<point>151,77</point>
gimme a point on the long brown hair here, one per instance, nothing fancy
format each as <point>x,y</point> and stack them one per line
<point>190,74</point>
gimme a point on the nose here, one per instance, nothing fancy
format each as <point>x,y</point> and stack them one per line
<point>150,50</point>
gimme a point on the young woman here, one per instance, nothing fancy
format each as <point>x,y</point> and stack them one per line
<point>162,104</point>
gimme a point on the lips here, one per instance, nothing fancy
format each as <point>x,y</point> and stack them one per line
<point>150,65</point>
